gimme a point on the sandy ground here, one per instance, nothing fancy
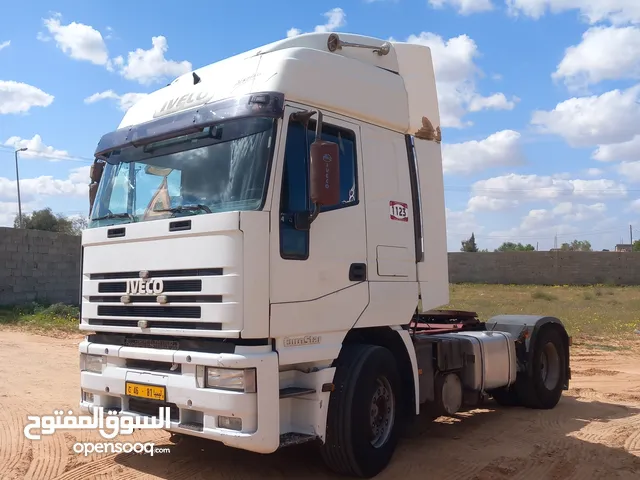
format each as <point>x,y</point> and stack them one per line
<point>593,433</point>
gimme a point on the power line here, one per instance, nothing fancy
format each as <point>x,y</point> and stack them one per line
<point>44,156</point>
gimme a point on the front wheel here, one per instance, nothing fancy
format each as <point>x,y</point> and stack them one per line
<point>363,417</point>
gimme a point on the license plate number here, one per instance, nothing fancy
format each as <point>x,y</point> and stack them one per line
<point>153,392</point>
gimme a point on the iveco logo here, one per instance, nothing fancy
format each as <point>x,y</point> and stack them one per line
<point>144,287</point>
<point>183,102</point>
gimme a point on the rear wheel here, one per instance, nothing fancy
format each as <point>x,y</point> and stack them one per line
<point>363,416</point>
<point>543,388</point>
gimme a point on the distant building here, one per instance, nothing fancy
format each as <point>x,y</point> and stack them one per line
<point>623,247</point>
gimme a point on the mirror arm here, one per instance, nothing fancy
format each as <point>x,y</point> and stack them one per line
<point>319,126</point>
<point>315,213</point>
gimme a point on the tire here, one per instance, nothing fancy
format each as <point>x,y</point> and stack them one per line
<point>543,389</point>
<point>363,372</point>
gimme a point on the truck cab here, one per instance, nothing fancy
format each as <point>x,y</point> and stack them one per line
<point>265,251</point>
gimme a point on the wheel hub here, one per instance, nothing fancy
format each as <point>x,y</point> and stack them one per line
<point>382,412</point>
<point>550,366</point>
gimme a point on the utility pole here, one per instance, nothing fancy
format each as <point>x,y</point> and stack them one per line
<point>630,234</point>
<point>18,186</point>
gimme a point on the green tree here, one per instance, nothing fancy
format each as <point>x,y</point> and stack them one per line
<point>46,220</point>
<point>515,247</point>
<point>577,246</point>
<point>635,247</point>
<point>469,245</point>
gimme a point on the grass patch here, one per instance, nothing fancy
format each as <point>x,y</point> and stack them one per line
<point>540,295</point>
<point>51,318</point>
<point>587,312</point>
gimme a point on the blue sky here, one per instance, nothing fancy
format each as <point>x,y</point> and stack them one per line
<point>539,98</point>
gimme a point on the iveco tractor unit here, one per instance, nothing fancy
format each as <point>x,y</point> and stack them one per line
<point>266,255</point>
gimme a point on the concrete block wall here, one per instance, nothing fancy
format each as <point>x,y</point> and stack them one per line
<point>545,268</point>
<point>38,266</point>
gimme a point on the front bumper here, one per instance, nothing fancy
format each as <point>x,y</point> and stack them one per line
<point>195,410</point>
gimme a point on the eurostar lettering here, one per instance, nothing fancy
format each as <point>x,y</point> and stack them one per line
<point>183,102</point>
<point>144,287</point>
<point>302,341</point>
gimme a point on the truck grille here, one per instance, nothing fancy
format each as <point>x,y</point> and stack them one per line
<point>170,286</point>
<point>148,311</point>
<point>108,310</point>
<point>195,272</point>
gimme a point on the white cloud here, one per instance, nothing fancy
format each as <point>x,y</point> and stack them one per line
<point>9,211</point>
<point>150,66</point>
<point>16,97</point>
<point>612,117</point>
<point>635,206</point>
<point>544,224</point>
<point>594,172</point>
<point>497,101</point>
<point>460,222</point>
<point>36,148</point>
<point>4,45</point>
<point>605,53</point>
<point>625,151</point>
<point>630,170</point>
<point>538,187</point>
<point>464,7</point>
<point>483,203</point>
<point>455,69</point>
<point>336,18</point>
<point>84,42</point>
<point>594,11</point>
<point>579,212</point>
<point>76,185</point>
<point>124,101</point>
<point>79,41</point>
<point>497,150</point>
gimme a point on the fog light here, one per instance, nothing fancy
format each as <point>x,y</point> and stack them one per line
<point>230,423</point>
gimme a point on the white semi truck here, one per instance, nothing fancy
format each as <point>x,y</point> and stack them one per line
<point>267,250</point>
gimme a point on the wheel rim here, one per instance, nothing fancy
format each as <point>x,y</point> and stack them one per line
<point>550,366</point>
<point>382,412</point>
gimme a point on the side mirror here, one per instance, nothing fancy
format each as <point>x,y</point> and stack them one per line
<point>325,173</point>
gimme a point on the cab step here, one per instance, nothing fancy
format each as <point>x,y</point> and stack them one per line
<point>289,392</point>
<point>292,438</point>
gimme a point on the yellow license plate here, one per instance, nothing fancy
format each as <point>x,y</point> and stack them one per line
<point>153,392</point>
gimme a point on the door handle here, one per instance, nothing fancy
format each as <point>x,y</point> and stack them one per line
<point>358,272</point>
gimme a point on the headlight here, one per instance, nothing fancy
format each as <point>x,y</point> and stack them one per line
<point>231,379</point>
<point>91,363</point>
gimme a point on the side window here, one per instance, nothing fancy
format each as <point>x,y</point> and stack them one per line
<point>294,198</point>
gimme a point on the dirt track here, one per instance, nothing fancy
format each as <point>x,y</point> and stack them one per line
<point>593,433</point>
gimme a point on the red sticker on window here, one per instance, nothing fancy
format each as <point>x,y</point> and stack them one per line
<point>398,211</point>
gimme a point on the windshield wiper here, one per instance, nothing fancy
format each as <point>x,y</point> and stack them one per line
<point>109,216</point>
<point>185,208</point>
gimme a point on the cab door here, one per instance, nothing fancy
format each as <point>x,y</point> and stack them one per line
<point>318,277</point>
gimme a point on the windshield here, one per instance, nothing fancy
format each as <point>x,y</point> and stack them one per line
<point>225,167</point>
